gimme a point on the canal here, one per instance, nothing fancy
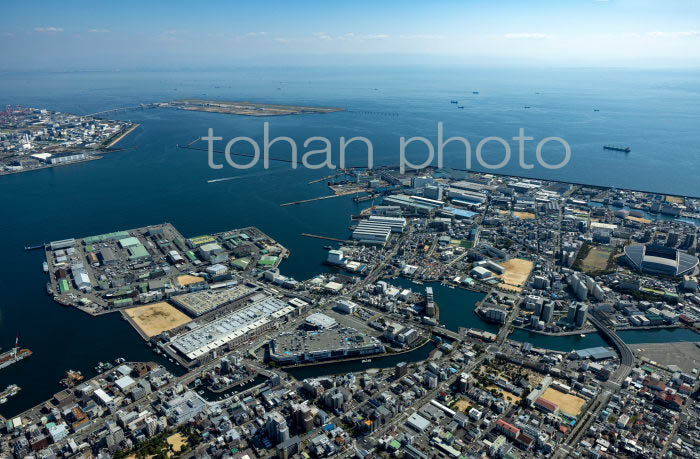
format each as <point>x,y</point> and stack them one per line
<point>457,310</point>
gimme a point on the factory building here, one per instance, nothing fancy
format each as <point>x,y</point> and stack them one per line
<point>397,224</point>
<point>414,204</point>
<point>368,232</point>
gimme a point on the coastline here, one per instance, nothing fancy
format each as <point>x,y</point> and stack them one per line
<point>119,137</point>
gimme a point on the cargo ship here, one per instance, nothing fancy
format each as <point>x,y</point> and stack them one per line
<point>14,355</point>
<point>614,148</point>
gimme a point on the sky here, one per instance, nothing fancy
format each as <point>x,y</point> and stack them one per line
<point>72,35</point>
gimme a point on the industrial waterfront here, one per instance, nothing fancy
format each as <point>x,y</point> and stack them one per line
<point>180,195</point>
<point>433,276</point>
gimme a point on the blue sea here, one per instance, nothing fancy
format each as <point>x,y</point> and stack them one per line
<point>655,112</point>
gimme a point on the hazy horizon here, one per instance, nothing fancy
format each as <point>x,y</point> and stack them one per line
<point>79,35</point>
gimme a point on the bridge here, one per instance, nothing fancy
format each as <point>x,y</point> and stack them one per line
<point>626,355</point>
<point>121,110</point>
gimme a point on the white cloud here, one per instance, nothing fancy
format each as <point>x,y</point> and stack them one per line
<point>256,34</point>
<point>48,29</point>
<point>528,36</point>
<point>423,37</point>
<point>99,31</point>
<point>376,36</point>
<point>679,34</point>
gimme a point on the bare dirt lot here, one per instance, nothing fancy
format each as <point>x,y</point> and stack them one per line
<point>462,405</point>
<point>524,215</point>
<point>186,280</point>
<point>517,272</point>
<point>156,318</point>
<point>569,404</point>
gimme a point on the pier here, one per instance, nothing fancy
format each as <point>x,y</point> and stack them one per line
<point>328,177</point>
<point>327,238</point>
<point>320,198</point>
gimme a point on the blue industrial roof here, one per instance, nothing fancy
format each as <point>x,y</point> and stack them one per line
<point>460,212</point>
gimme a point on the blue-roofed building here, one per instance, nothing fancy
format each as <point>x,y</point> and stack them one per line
<point>593,353</point>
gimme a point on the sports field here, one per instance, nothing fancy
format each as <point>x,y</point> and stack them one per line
<point>154,319</point>
<point>569,404</point>
<point>597,259</point>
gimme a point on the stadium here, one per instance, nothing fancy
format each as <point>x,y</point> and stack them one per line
<point>657,259</point>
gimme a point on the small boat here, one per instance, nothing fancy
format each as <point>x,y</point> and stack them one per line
<point>328,247</point>
<point>526,107</point>
<point>582,335</point>
<point>475,92</point>
<point>596,109</point>
<point>461,107</point>
<point>45,266</point>
<point>366,360</point>
<point>614,148</point>
<point>49,288</point>
<point>454,102</point>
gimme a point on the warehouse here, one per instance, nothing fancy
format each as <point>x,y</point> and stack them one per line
<point>203,301</point>
<point>594,353</point>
